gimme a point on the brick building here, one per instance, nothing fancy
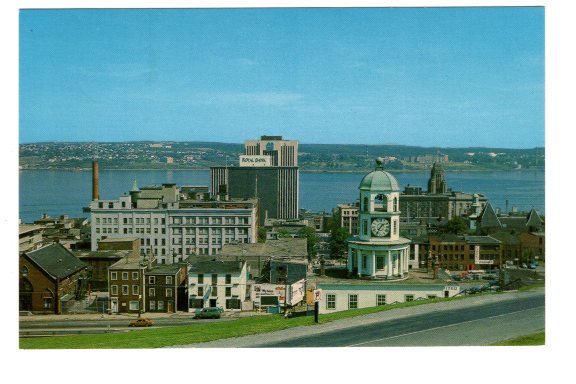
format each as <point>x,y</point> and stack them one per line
<point>50,278</point>
<point>126,284</point>
<point>463,252</point>
<point>166,288</point>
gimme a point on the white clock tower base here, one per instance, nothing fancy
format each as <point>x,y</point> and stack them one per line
<point>378,251</point>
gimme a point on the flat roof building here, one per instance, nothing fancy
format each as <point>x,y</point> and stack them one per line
<point>171,228</point>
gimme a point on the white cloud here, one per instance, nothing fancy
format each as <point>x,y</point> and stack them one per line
<point>117,71</point>
<point>251,98</point>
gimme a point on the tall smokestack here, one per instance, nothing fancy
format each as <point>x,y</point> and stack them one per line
<point>95,194</point>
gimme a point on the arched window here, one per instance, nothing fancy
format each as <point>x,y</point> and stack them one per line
<point>395,205</point>
<point>26,290</point>
<point>365,204</point>
<point>380,203</point>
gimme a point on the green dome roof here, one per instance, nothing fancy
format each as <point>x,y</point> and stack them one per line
<point>379,181</point>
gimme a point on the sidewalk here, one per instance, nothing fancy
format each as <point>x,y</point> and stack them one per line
<point>148,315</point>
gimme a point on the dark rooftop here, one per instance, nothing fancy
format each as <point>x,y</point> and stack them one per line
<point>215,266</point>
<point>164,269</point>
<point>56,260</point>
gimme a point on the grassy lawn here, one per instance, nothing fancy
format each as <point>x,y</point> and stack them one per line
<point>201,332</point>
<point>533,339</point>
<point>209,331</point>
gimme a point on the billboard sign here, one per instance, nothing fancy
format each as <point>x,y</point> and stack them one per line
<point>296,293</point>
<point>255,161</point>
<point>269,290</point>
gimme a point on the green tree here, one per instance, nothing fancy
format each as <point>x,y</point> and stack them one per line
<point>338,242</point>
<point>456,225</point>
<point>334,221</point>
<point>283,232</point>
<point>311,241</point>
<point>262,231</point>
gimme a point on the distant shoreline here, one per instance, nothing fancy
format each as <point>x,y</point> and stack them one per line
<point>301,170</point>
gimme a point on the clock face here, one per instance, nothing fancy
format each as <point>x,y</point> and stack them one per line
<point>380,227</point>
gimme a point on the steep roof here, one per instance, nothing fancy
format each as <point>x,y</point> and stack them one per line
<point>534,220</point>
<point>56,260</point>
<point>506,238</point>
<point>488,217</point>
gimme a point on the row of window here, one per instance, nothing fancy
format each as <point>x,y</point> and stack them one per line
<point>136,290</point>
<point>214,291</point>
<point>353,301</point>
<point>136,276</point>
<point>110,204</point>
<point>176,231</point>
<point>156,305</point>
<point>214,276</point>
<point>174,220</point>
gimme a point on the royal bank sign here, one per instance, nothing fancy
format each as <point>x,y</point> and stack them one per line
<point>255,161</point>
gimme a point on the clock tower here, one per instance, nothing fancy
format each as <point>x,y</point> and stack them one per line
<point>378,251</point>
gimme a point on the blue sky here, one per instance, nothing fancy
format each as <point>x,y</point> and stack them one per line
<point>449,77</point>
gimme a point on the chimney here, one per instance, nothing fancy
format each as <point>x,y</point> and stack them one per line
<point>95,194</point>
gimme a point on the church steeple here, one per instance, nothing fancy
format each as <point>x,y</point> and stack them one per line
<point>135,193</point>
<point>135,187</point>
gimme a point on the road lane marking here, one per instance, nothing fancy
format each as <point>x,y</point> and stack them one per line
<point>443,326</point>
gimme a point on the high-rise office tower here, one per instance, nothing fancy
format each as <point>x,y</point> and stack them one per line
<point>283,153</point>
<point>268,171</point>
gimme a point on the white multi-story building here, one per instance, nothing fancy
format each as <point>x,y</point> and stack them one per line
<point>173,229</point>
<point>217,284</point>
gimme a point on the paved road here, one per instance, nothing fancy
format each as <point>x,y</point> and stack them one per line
<point>480,320</point>
<point>481,325</point>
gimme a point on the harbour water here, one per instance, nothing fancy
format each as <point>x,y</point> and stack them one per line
<point>57,192</point>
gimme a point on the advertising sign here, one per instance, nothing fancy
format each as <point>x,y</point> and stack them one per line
<point>277,290</point>
<point>255,161</point>
<point>477,258</point>
<point>296,292</point>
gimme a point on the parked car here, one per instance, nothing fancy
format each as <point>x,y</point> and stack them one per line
<point>141,323</point>
<point>531,266</point>
<point>209,313</point>
<point>474,290</point>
